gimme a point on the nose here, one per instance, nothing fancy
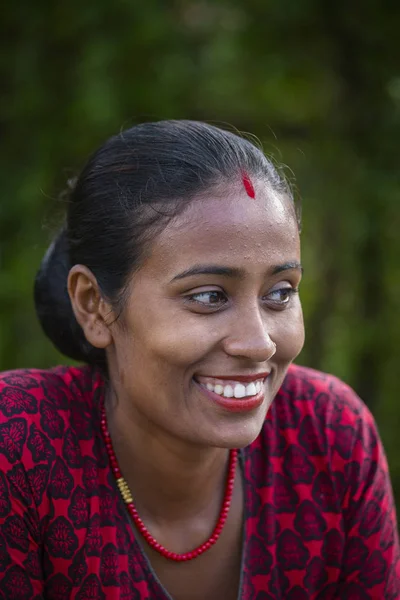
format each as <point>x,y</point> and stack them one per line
<point>249,337</point>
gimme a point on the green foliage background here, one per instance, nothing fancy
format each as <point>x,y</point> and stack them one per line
<point>317,81</point>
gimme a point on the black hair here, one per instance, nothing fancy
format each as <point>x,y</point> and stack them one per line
<point>128,190</point>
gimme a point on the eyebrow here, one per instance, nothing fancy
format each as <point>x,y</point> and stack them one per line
<point>232,272</point>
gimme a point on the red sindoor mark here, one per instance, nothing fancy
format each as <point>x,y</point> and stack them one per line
<point>248,186</point>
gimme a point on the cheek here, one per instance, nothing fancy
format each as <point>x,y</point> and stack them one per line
<point>289,335</point>
<point>173,342</point>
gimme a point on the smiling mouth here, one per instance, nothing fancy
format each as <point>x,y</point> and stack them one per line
<point>232,388</point>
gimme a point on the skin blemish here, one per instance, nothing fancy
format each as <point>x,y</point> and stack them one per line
<point>248,186</point>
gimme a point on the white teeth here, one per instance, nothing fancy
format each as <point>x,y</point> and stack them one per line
<point>239,391</point>
<point>228,391</point>
<point>251,389</point>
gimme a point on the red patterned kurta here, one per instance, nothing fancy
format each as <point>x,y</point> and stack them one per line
<point>320,522</point>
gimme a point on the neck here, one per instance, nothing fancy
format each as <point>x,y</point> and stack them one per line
<point>170,479</point>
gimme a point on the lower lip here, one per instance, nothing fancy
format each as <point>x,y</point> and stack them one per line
<point>234,404</point>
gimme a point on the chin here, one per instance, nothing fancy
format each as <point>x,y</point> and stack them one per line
<point>240,434</point>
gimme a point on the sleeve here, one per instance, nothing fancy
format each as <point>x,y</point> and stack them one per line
<point>20,548</point>
<point>372,556</point>
<point>20,562</point>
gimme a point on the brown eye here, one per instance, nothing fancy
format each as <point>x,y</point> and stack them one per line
<point>281,297</point>
<point>209,298</point>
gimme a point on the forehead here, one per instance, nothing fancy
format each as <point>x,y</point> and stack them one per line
<point>230,229</point>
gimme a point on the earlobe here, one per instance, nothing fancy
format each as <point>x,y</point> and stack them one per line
<point>91,311</point>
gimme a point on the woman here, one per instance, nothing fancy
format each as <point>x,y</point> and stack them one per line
<point>189,459</point>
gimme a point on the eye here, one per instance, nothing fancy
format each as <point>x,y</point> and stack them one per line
<point>209,299</point>
<point>281,297</point>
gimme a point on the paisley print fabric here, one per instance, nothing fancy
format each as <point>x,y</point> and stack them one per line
<point>320,520</point>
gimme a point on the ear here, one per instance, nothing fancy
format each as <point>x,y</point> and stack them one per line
<point>91,311</point>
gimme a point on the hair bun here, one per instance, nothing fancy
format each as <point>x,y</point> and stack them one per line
<point>53,306</point>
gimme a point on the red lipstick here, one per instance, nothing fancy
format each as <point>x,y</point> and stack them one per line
<point>234,404</point>
<point>241,378</point>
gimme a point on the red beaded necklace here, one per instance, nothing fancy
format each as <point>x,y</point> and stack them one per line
<point>127,496</point>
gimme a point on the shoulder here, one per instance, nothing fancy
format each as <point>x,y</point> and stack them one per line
<point>305,383</point>
<point>38,408</point>
<point>322,396</point>
<point>318,413</point>
<point>22,390</point>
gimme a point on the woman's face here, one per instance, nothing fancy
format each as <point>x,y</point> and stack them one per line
<point>193,355</point>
